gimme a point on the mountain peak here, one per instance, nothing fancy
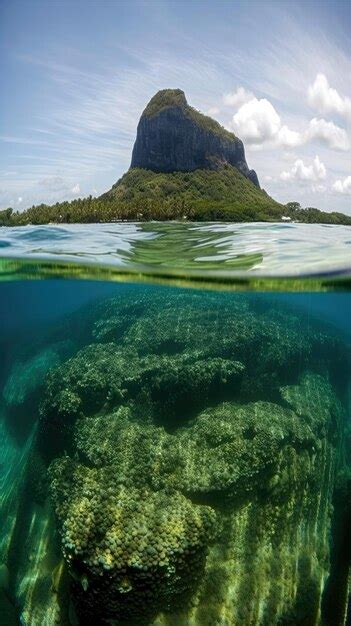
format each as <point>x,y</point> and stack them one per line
<point>163,99</point>
<point>173,136</point>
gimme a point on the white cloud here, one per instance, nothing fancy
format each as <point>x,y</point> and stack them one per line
<point>343,186</point>
<point>325,99</point>
<point>301,172</point>
<point>329,133</point>
<point>288,138</point>
<point>257,122</point>
<point>238,97</point>
<point>76,188</point>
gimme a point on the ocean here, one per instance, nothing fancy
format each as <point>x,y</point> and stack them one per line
<point>175,425</point>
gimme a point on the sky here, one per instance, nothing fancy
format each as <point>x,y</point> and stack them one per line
<point>77,74</point>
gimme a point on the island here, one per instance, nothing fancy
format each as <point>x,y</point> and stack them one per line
<point>184,165</point>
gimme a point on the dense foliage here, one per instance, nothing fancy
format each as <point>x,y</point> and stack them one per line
<point>202,195</point>
<point>312,215</point>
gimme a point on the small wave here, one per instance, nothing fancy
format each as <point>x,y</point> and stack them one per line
<point>44,233</point>
<point>256,249</point>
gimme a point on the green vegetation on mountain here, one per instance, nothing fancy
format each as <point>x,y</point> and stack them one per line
<point>223,194</point>
<point>203,194</point>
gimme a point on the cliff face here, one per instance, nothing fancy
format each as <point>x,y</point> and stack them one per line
<point>172,136</point>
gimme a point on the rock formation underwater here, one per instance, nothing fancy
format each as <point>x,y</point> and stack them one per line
<point>190,448</point>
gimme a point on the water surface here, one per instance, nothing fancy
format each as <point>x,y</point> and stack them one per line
<point>175,456</point>
<point>173,248</point>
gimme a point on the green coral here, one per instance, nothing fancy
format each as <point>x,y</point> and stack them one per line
<point>194,434</point>
<point>314,400</point>
<point>230,450</point>
<point>187,345</point>
<point>236,449</point>
<point>139,551</point>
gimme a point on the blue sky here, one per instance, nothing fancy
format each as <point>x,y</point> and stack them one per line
<point>77,74</point>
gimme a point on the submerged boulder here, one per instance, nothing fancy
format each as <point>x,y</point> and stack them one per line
<point>132,552</point>
<point>192,449</point>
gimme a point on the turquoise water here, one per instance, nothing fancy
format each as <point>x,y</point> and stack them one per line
<point>175,425</point>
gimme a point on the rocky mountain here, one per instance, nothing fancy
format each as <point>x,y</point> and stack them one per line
<point>184,166</point>
<point>174,137</point>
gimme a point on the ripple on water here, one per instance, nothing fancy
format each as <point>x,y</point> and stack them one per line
<point>259,248</point>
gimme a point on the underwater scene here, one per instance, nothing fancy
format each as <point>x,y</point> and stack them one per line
<point>173,453</point>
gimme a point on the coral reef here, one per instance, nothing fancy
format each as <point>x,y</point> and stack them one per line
<point>140,551</point>
<point>192,449</point>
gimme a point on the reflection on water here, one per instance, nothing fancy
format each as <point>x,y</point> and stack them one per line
<point>174,457</point>
<point>259,248</point>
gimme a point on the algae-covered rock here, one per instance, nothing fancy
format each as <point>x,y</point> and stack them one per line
<point>179,390</point>
<point>132,552</point>
<point>192,448</point>
<point>314,401</point>
<point>178,352</point>
<point>234,450</point>
<point>118,440</point>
